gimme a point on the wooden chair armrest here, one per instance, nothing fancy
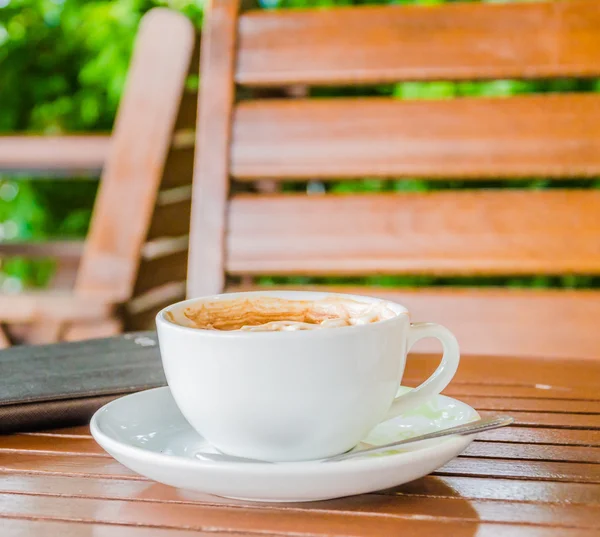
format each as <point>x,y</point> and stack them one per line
<point>53,306</point>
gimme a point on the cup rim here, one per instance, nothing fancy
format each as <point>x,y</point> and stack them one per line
<point>162,320</point>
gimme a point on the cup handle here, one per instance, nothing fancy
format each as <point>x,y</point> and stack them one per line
<point>441,376</point>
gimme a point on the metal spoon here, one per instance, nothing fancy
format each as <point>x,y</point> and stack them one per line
<point>466,429</point>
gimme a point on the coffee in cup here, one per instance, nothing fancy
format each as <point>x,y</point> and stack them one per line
<point>271,314</point>
<point>255,381</point>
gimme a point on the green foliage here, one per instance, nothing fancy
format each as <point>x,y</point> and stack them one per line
<point>64,62</point>
<point>63,65</point>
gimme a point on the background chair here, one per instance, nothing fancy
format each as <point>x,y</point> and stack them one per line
<point>141,215</point>
<point>236,236</point>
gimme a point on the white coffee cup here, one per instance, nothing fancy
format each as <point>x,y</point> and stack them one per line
<point>292,396</point>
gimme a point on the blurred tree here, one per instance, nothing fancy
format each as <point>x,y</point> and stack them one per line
<point>63,64</point>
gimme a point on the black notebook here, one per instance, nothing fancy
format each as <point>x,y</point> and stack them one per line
<point>48,386</point>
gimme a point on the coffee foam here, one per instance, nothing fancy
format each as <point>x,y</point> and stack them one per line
<point>269,314</point>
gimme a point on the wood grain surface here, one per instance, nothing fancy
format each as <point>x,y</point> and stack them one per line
<point>211,165</point>
<point>77,154</point>
<point>495,321</point>
<point>456,233</point>
<point>385,44</point>
<point>49,307</point>
<point>522,136</point>
<point>536,478</point>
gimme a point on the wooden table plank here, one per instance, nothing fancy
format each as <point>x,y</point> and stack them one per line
<point>88,466</point>
<point>77,446</point>
<point>537,470</point>
<point>461,390</point>
<point>484,488</point>
<point>555,420</point>
<point>551,373</point>
<point>27,528</point>
<point>517,434</point>
<point>501,450</point>
<point>506,404</point>
<point>360,515</point>
<point>541,435</point>
<point>81,430</point>
<point>452,487</point>
<point>66,445</point>
<point>203,517</point>
<point>471,466</point>
<point>50,528</point>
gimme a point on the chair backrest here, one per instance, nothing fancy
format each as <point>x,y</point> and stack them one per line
<point>443,233</point>
<point>141,215</point>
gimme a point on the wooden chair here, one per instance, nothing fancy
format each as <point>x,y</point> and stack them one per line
<point>446,233</point>
<point>140,220</point>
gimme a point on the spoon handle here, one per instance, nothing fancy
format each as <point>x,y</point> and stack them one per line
<point>473,427</point>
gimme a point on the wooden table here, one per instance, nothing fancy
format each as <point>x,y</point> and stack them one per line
<point>539,478</point>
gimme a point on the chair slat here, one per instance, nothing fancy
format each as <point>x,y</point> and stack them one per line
<point>83,154</point>
<point>496,322</point>
<point>161,270</point>
<point>179,168</point>
<point>141,311</point>
<point>443,233</point>
<point>391,43</point>
<point>529,136</point>
<point>170,219</point>
<point>93,329</point>
<point>51,307</point>
<point>61,249</point>
<point>211,170</point>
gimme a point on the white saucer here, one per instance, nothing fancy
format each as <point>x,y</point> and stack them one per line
<point>147,433</point>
